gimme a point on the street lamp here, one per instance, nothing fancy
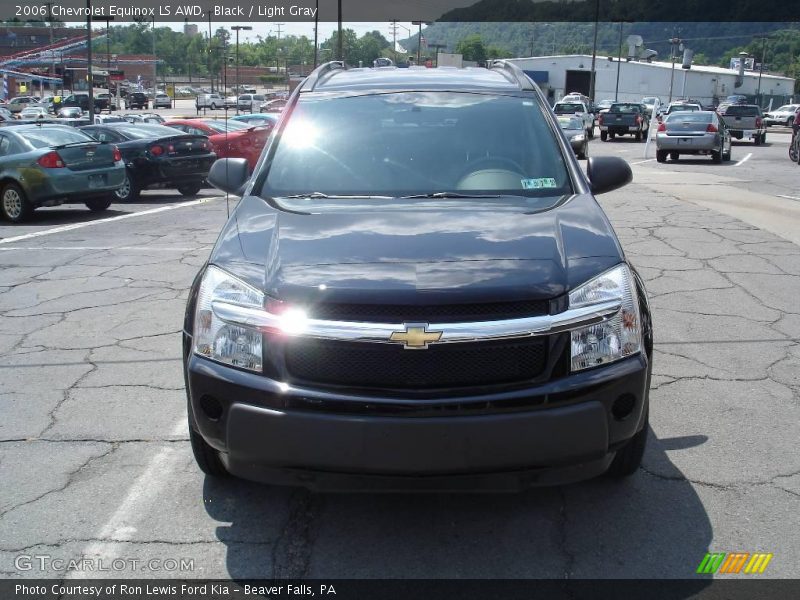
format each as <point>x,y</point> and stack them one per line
<point>237,29</point>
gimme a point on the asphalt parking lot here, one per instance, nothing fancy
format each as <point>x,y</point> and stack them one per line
<point>95,459</point>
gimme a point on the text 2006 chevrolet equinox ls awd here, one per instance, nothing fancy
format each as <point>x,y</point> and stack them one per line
<point>418,290</point>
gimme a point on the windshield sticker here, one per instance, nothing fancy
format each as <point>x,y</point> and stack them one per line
<point>539,183</point>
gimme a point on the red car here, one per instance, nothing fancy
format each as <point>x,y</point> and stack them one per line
<point>229,139</point>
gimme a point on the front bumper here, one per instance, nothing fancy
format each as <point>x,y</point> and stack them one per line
<point>553,433</point>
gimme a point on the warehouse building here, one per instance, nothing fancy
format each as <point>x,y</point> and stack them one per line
<point>560,75</point>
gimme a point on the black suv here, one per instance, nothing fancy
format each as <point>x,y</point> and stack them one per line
<point>418,289</point>
<point>137,100</point>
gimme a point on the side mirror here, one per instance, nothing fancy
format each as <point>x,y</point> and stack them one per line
<point>229,175</point>
<point>607,173</point>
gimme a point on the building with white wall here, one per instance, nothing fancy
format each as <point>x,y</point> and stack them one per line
<point>559,75</point>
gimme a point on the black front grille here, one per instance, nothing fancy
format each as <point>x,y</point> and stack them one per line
<point>441,313</point>
<point>362,364</point>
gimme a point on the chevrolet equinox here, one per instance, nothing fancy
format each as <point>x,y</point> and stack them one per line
<point>418,290</point>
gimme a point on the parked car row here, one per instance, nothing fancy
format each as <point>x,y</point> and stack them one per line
<point>114,158</point>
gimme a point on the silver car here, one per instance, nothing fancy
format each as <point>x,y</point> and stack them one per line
<point>576,134</point>
<point>693,132</point>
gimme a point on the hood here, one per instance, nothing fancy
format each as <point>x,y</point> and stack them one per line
<point>433,252</point>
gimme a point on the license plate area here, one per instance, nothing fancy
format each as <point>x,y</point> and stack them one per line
<point>96,181</point>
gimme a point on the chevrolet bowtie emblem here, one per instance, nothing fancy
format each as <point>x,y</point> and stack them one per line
<point>416,336</point>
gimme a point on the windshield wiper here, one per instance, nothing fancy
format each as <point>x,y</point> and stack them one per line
<point>450,195</point>
<point>322,195</point>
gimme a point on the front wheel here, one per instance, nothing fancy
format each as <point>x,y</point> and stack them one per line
<point>98,204</point>
<point>206,457</point>
<point>629,458</point>
<point>189,189</point>
<point>14,204</point>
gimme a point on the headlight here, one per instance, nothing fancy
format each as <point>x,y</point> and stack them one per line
<point>576,138</point>
<point>234,345</point>
<point>612,340</point>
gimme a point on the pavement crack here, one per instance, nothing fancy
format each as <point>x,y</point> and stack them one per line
<point>291,554</point>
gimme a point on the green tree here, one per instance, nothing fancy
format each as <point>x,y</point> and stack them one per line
<point>472,48</point>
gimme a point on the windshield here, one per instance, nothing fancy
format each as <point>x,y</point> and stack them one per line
<point>625,108</point>
<point>223,126</point>
<point>43,137</point>
<point>741,111</point>
<point>649,100</point>
<point>570,123</point>
<point>147,131</point>
<point>689,117</point>
<point>683,107</point>
<point>410,143</point>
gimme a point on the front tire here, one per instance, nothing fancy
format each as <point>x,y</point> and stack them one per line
<point>14,204</point>
<point>629,458</point>
<point>206,457</point>
<point>98,204</point>
<point>189,189</point>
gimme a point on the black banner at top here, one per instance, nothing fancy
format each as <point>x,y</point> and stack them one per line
<point>238,11</point>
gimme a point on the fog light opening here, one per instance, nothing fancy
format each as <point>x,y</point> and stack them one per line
<point>211,407</point>
<point>623,406</point>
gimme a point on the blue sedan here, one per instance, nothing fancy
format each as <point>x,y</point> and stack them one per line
<point>49,165</point>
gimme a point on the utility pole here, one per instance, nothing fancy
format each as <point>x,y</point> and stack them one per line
<point>52,54</point>
<point>155,61</point>
<point>278,48</point>
<point>89,78</point>
<point>394,40</point>
<point>619,63</point>
<point>761,68</point>
<point>210,75</point>
<point>419,40</point>
<point>339,44</point>
<point>316,28</point>
<point>674,41</point>
<point>594,51</point>
<point>237,29</point>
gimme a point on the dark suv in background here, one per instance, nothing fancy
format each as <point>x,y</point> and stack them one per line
<point>418,290</point>
<point>138,100</point>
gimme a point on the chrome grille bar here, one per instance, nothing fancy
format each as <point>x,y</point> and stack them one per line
<point>379,333</point>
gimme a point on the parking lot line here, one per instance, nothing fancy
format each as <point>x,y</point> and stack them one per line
<point>121,526</point>
<point>788,197</point>
<point>142,213</point>
<point>744,160</point>
<point>639,162</point>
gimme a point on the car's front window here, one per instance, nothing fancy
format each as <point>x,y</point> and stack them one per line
<point>416,143</point>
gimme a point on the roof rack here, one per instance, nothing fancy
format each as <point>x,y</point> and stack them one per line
<point>512,72</point>
<point>314,77</point>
